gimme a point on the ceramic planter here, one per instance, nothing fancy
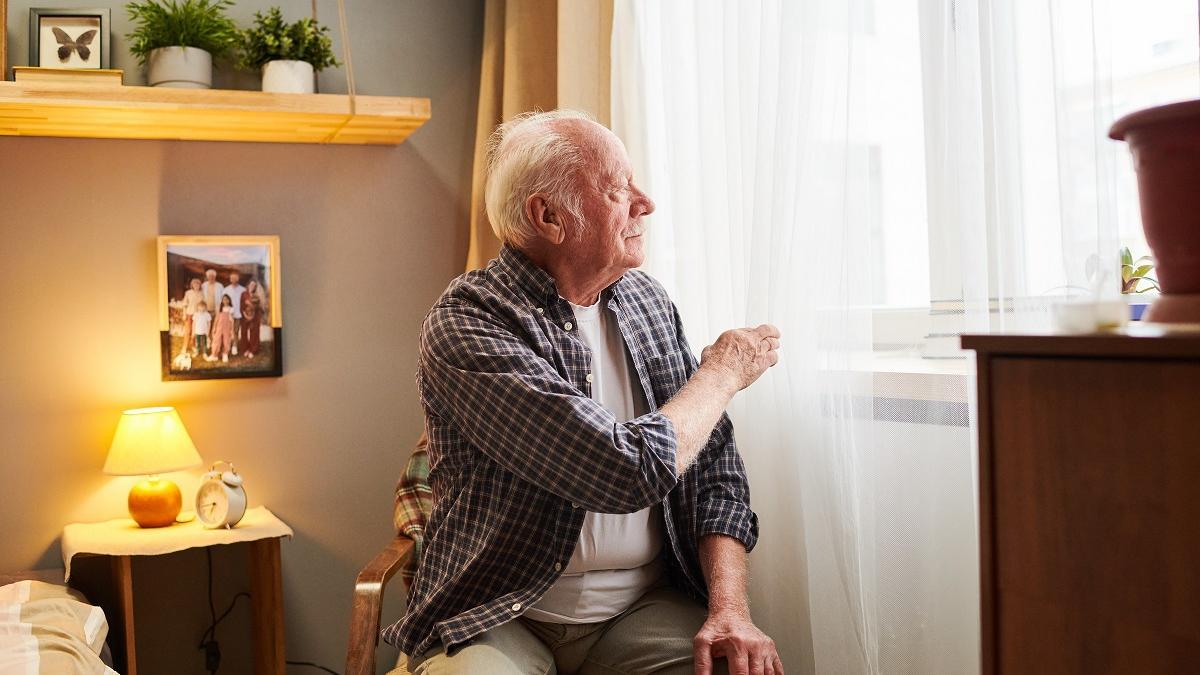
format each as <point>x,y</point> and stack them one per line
<point>179,67</point>
<point>288,77</point>
<point>1165,143</point>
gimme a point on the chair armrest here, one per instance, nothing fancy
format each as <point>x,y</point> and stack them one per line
<point>368,605</point>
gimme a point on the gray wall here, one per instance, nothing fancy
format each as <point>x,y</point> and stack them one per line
<point>370,236</point>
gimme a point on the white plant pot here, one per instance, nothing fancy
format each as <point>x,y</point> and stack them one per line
<point>180,67</point>
<point>288,77</point>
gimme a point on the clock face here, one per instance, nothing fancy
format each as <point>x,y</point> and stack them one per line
<point>212,503</point>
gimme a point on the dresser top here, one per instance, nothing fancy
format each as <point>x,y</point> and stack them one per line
<point>1138,340</point>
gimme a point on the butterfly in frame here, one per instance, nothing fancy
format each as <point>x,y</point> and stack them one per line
<point>80,45</point>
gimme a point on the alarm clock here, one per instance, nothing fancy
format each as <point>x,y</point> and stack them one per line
<point>221,499</point>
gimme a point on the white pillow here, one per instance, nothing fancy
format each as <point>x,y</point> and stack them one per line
<point>48,629</point>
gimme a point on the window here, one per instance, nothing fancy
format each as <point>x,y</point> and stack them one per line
<point>1045,101</point>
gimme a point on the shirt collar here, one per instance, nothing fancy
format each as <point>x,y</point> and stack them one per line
<point>536,281</point>
<point>532,279</point>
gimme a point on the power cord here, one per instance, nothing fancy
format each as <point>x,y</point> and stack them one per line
<point>312,665</point>
<point>208,641</point>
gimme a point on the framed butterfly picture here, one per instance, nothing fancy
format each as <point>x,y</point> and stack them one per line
<point>68,38</point>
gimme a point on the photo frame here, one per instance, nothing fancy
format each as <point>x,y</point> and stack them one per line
<point>62,37</point>
<point>243,336</point>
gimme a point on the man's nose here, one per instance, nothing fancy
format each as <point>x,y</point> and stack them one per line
<point>645,204</point>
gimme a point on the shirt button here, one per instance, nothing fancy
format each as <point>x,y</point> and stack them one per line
<point>540,310</point>
<point>516,606</point>
<point>589,377</point>
<point>567,325</point>
<point>557,567</point>
<point>575,504</point>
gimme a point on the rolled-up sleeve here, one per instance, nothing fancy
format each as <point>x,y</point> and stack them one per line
<point>511,404</point>
<point>723,504</point>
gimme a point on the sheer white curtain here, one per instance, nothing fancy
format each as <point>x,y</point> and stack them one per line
<point>875,178</point>
<point>737,117</point>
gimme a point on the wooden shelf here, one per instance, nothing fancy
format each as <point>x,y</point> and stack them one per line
<point>73,110</point>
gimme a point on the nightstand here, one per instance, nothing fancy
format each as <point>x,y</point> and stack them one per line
<point>121,539</point>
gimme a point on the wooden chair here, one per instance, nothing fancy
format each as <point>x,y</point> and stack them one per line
<point>368,604</point>
<point>413,501</point>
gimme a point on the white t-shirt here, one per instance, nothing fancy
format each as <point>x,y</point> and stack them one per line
<point>235,294</point>
<point>616,559</point>
<point>200,322</point>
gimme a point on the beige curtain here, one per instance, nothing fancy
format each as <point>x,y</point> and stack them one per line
<point>537,54</point>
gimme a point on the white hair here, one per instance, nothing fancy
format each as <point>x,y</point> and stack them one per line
<point>527,155</point>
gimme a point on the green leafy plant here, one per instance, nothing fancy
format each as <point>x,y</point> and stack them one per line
<point>181,23</point>
<point>273,39</point>
<point>1134,272</point>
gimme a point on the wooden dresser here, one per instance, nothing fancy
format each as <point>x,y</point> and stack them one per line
<point>1089,489</point>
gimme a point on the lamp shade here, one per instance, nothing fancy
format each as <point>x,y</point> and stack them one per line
<point>149,441</point>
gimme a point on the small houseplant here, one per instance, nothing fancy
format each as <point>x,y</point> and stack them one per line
<point>177,40</point>
<point>1136,280</point>
<point>288,54</point>
<point>1134,272</point>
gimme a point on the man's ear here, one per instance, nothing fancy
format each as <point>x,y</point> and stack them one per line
<point>545,222</point>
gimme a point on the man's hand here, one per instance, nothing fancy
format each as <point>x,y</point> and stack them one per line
<point>743,354</point>
<point>733,635</point>
<point>727,366</point>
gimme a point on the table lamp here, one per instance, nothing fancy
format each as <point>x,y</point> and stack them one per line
<point>150,441</point>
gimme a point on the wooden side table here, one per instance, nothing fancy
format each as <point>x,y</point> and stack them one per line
<point>119,540</point>
<point>1088,466</point>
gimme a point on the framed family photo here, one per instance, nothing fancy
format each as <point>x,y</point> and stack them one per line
<point>68,38</point>
<point>220,313</point>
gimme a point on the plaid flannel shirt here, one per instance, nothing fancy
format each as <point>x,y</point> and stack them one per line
<point>519,451</point>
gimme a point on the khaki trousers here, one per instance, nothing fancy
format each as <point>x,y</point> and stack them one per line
<point>653,636</point>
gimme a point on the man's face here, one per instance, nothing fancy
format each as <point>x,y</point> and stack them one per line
<point>211,276</point>
<point>233,279</point>
<point>610,238</point>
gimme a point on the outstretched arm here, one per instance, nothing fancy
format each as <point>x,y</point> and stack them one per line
<point>727,366</point>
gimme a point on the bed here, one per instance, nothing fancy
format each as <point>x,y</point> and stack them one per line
<point>48,628</point>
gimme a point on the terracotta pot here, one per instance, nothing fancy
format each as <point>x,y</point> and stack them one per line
<point>1165,142</point>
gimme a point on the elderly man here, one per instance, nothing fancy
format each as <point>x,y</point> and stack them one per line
<point>212,290</point>
<point>591,513</point>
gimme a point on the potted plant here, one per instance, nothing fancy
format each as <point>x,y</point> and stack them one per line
<point>288,54</point>
<point>1136,280</point>
<point>1165,143</point>
<point>177,40</point>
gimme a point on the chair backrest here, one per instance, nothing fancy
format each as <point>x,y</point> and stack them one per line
<point>414,501</point>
